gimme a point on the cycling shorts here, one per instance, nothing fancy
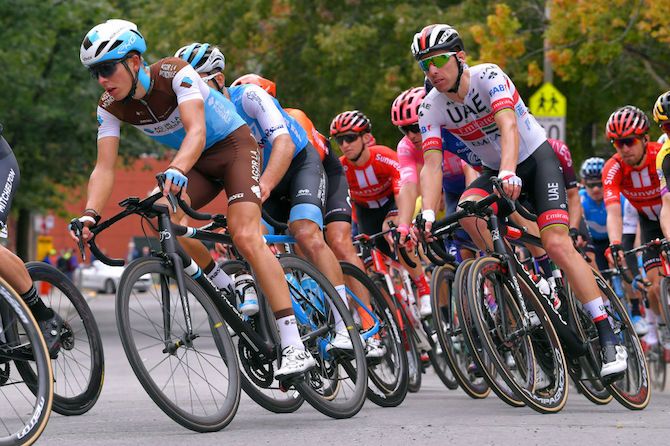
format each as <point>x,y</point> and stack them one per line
<point>301,193</point>
<point>9,183</point>
<point>371,221</point>
<point>234,163</point>
<point>650,230</point>
<point>338,202</point>
<point>543,187</point>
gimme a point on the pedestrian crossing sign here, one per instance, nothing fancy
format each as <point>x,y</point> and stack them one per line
<point>548,101</point>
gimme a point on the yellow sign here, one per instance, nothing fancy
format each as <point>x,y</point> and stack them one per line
<point>45,244</point>
<point>548,101</point>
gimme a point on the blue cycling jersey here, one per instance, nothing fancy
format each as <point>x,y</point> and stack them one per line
<point>595,216</point>
<point>266,118</point>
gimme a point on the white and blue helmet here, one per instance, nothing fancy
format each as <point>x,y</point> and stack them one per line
<point>205,58</point>
<point>592,168</point>
<point>111,41</point>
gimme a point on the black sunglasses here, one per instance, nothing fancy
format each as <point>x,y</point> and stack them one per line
<point>351,137</point>
<point>594,184</point>
<point>405,129</point>
<point>105,69</point>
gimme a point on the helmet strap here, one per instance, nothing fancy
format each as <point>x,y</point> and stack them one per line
<point>454,89</point>
<point>140,76</point>
<point>131,93</point>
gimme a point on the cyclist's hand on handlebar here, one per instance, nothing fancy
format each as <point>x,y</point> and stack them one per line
<point>578,239</point>
<point>79,227</point>
<point>615,249</point>
<point>175,180</point>
<point>403,230</point>
<point>511,183</point>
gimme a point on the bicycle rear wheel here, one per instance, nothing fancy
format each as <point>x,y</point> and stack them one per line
<point>450,332</point>
<point>522,351</point>
<point>338,385</point>
<point>80,366</point>
<point>258,380</point>
<point>192,376</point>
<point>26,405</point>
<point>389,377</point>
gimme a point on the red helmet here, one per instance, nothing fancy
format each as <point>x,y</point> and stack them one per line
<point>626,122</point>
<point>255,79</point>
<point>350,121</point>
<point>405,108</point>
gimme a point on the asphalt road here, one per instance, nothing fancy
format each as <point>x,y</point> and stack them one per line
<point>125,415</point>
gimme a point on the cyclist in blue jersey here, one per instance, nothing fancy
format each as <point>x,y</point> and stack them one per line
<point>170,103</point>
<point>293,183</point>
<point>595,219</point>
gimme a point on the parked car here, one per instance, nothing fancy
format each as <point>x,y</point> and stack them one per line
<point>105,278</point>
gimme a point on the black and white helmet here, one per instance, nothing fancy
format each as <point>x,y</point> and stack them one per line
<point>436,37</point>
<point>205,58</point>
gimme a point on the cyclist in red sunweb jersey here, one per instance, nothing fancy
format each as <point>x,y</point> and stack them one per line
<point>373,174</point>
<point>632,172</point>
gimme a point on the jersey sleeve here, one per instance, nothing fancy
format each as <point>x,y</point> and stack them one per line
<point>184,85</point>
<point>565,158</point>
<point>258,104</point>
<point>611,178</point>
<point>663,167</point>
<point>408,168</point>
<point>501,91</point>
<point>429,122</point>
<point>391,166</point>
<point>108,124</point>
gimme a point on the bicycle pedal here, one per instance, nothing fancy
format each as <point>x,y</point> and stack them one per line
<point>611,379</point>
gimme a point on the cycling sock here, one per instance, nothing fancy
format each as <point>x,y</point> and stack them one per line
<point>635,307</point>
<point>288,332</point>
<point>596,311</point>
<point>651,316</point>
<point>36,305</point>
<point>339,322</point>
<point>219,276</point>
<point>545,265</point>
<point>422,285</point>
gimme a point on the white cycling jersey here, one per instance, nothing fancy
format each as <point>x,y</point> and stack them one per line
<point>473,121</point>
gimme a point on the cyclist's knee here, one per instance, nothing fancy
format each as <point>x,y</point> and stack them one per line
<point>309,236</point>
<point>558,245</point>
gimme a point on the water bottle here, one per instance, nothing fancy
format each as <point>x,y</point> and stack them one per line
<point>245,290</point>
<point>546,290</point>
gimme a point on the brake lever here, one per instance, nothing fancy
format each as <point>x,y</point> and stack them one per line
<point>78,228</point>
<point>160,178</point>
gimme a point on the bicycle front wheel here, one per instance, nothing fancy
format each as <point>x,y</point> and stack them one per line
<point>338,385</point>
<point>191,374</point>
<point>526,352</point>
<point>26,404</point>
<point>80,366</point>
<point>388,375</point>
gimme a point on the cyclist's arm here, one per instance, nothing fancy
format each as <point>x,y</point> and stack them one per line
<point>431,180</point>
<point>612,177</point>
<point>406,200</point>
<point>509,140</point>
<point>192,114</point>
<point>574,207</point>
<point>101,181</point>
<point>279,162</point>
<point>614,222</point>
<point>469,172</point>
<point>665,215</point>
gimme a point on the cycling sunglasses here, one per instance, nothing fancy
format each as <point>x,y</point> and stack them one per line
<point>593,184</point>
<point>105,69</point>
<point>405,129</point>
<point>620,143</point>
<point>439,61</point>
<point>349,138</point>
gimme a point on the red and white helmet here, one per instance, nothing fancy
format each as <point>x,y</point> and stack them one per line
<point>405,108</point>
<point>628,121</point>
<point>352,121</point>
<point>436,37</point>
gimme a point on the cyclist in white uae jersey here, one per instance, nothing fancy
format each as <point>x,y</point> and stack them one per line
<point>481,107</point>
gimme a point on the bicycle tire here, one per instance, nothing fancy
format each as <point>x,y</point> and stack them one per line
<point>380,390</point>
<point>318,386</point>
<point>273,397</point>
<point>206,321</point>
<point>21,332</point>
<point>664,300</point>
<point>498,338</point>
<point>632,391</point>
<point>474,345</point>
<point>449,334</point>
<point>71,396</point>
<point>590,386</point>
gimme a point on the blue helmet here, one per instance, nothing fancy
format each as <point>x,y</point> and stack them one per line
<point>111,41</point>
<point>204,57</point>
<point>592,168</point>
